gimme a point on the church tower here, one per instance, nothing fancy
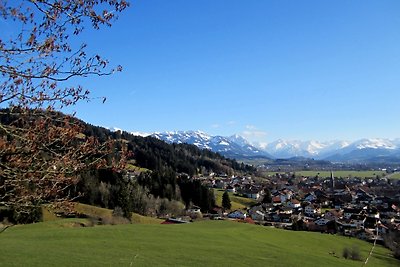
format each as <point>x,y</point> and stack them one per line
<point>332,181</point>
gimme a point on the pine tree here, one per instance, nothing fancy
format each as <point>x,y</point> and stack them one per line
<point>267,196</point>
<point>226,202</point>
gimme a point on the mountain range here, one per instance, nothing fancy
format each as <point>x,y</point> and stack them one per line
<point>235,146</point>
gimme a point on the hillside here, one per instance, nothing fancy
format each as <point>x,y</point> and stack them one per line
<point>158,176</point>
<point>148,152</point>
<point>208,243</point>
<point>237,202</point>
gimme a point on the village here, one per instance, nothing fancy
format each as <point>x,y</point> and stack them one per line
<point>365,208</point>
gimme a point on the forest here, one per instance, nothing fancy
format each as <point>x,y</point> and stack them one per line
<point>164,184</point>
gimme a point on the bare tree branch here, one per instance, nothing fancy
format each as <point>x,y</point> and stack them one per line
<point>42,153</point>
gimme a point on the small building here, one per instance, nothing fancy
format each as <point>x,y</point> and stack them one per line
<point>231,189</point>
<point>293,203</point>
<point>237,214</point>
<point>312,209</point>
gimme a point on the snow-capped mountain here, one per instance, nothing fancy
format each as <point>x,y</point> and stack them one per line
<point>136,133</point>
<point>233,146</point>
<point>331,149</point>
<point>375,143</point>
<point>296,148</point>
<point>114,129</point>
<point>236,146</point>
<point>241,141</point>
<point>375,149</point>
<point>363,150</point>
<point>198,138</point>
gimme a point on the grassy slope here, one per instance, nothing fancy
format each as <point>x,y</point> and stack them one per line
<point>210,243</point>
<point>94,211</point>
<point>101,212</point>
<point>396,175</point>
<point>236,201</point>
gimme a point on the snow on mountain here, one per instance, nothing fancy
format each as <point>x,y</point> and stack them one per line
<point>198,138</point>
<point>286,149</point>
<point>236,146</point>
<point>364,150</point>
<point>331,147</point>
<point>114,129</point>
<point>139,134</point>
<point>241,141</point>
<point>295,148</point>
<point>396,141</point>
<point>374,143</point>
<point>233,146</point>
<point>136,133</point>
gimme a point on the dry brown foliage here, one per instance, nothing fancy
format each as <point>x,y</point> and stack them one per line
<point>42,153</point>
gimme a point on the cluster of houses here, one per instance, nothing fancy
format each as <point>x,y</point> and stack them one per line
<point>363,208</point>
<point>245,186</point>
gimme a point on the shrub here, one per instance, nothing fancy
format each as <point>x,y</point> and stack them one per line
<point>392,241</point>
<point>352,253</point>
<point>118,212</point>
<point>27,215</point>
<point>346,253</point>
<point>396,253</point>
<point>355,253</point>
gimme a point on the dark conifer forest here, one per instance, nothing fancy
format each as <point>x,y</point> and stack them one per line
<point>156,177</point>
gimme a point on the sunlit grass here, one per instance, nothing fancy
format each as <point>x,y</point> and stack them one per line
<point>237,202</point>
<point>208,243</point>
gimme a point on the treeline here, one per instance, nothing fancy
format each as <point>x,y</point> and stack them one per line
<point>171,166</point>
<point>160,190</point>
<point>151,193</point>
<point>155,154</point>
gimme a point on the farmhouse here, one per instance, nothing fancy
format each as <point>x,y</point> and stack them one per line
<point>333,215</point>
<point>294,204</point>
<point>312,209</point>
<point>321,221</point>
<point>237,214</point>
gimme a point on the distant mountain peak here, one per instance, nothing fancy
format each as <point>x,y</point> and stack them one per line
<point>139,134</point>
<point>238,139</point>
<point>374,143</point>
<point>234,146</point>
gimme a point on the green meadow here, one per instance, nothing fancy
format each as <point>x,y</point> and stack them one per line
<point>395,175</point>
<point>207,243</point>
<point>237,202</point>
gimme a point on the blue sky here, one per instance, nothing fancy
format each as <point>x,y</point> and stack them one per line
<point>264,69</point>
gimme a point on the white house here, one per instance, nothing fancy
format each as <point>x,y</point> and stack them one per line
<point>258,216</point>
<point>254,193</point>
<point>312,209</point>
<point>237,214</point>
<point>194,209</point>
<point>321,221</point>
<point>231,189</point>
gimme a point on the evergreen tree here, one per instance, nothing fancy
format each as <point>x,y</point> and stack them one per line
<point>267,196</point>
<point>226,202</point>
